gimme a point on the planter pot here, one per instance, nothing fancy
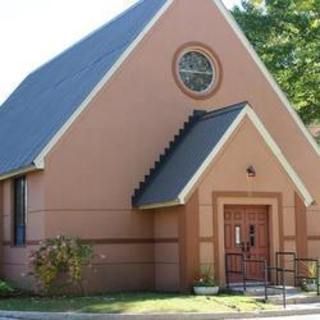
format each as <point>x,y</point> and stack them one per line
<point>206,291</point>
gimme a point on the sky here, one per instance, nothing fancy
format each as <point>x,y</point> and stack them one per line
<point>34,31</point>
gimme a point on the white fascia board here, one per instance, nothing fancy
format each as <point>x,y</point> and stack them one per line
<point>248,111</point>
<point>236,28</point>
<point>160,205</point>
<point>18,172</point>
<point>39,161</point>
<point>308,199</point>
<point>189,186</point>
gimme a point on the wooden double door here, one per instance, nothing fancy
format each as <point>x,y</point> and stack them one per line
<point>246,231</point>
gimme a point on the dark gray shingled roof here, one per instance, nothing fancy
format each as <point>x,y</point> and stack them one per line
<point>47,98</point>
<point>185,155</point>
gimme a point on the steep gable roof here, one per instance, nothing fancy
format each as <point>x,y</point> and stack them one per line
<point>45,105</point>
<point>47,98</point>
<point>174,176</point>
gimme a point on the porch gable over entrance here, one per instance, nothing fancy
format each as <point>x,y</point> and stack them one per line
<point>176,174</point>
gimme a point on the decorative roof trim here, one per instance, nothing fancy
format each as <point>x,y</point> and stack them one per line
<point>40,159</point>
<point>236,28</point>
<point>248,111</point>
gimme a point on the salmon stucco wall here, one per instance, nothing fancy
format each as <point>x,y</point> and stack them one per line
<point>166,258</point>
<point>91,173</point>
<point>227,178</point>
<point>15,259</point>
<point>113,144</point>
<point>313,232</point>
<point>123,237</point>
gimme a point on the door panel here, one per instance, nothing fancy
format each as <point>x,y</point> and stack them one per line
<point>247,232</point>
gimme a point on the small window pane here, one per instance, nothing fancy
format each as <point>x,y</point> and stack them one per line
<point>19,211</point>
<point>237,236</point>
<point>196,71</point>
<point>252,235</point>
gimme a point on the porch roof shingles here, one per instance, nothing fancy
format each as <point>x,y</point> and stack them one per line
<point>48,97</point>
<point>172,174</point>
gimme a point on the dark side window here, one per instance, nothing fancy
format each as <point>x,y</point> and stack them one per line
<point>19,211</point>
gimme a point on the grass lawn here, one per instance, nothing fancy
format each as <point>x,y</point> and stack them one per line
<point>136,303</point>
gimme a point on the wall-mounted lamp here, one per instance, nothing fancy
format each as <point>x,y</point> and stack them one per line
<point>251,172</point>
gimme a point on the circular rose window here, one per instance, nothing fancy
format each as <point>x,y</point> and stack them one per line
<point>197,73</point>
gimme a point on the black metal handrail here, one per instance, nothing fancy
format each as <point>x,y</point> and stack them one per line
<point>279,269</point>
<point>282,288</point>
<point>266,272</point>
<point>244,263</point>
<point>230,271</point>
<point>296,268</point>
<point>280,255</point>
<point>262,262</point>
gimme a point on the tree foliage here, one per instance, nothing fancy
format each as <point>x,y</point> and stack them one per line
<point>286,35</point>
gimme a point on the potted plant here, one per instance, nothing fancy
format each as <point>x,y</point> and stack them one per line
<point>310,284</point>
<point>206,284</point>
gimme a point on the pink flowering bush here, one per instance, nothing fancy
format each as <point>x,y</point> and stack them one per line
<point>62,256</point>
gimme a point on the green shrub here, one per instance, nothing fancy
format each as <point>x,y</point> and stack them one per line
<point>6,290</point>
<point>62,257</point>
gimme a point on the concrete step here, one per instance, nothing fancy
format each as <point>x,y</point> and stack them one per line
<point>274,291</point>
<point>257,290</point>
<point>301,298</point>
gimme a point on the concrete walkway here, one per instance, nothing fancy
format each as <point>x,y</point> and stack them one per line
<point>294,310</point>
